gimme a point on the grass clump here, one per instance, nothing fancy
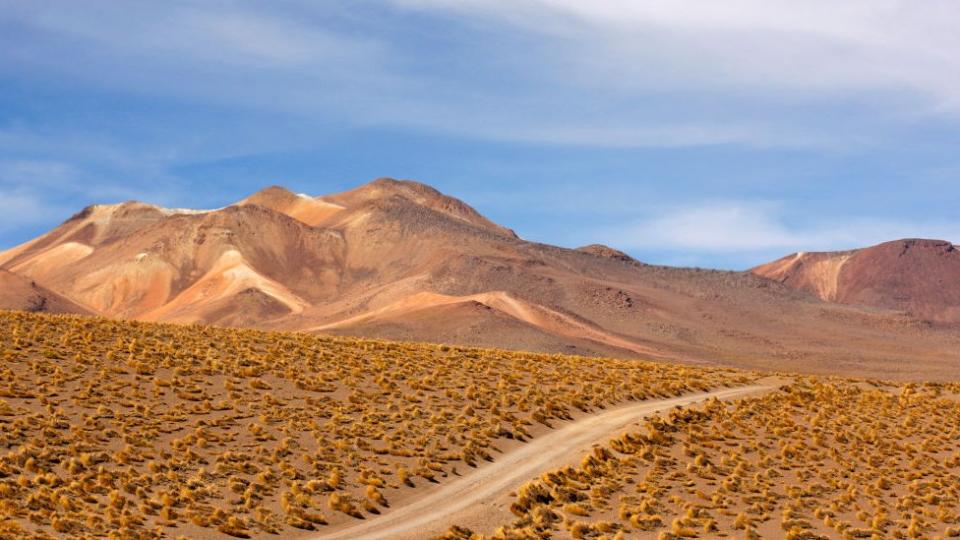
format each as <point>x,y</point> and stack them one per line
<point>819,458</point>
<point>159,430</point>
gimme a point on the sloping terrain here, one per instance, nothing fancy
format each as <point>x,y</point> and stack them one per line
<point>122,429</point>
<point>465,498</point>
<point>921,277</point>
<point>399,260</point>
<point>126,429</point>
<point>21,294</point>
<point>140,261</point>
<point>814,460</point>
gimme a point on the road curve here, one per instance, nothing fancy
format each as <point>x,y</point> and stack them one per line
<point>432,513</point>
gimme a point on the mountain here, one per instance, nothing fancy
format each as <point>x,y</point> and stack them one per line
<point>399,260</point>
<point>601,250</point>
<point>21,294</point>
<point>920,277</point>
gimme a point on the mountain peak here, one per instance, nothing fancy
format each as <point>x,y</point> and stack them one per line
<point>269,192</point>
<point>911,274</point>
<point>386,182</point>
<point>387,187</point>
<point>310,210</point>
<point>921,243</point>
<point>607,252</point>
<point>324,210</point>
<point>420,194</point>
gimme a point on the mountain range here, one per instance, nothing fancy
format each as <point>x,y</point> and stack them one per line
<point>399,260</point>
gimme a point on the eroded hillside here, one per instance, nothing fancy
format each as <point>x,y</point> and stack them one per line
<point>399,260</point>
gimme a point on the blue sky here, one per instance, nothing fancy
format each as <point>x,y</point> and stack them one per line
<point>687,133</point>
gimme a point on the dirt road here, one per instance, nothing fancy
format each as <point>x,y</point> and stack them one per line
<point>453,502</point>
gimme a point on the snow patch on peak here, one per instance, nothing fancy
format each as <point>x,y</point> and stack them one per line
<point>184,211</point>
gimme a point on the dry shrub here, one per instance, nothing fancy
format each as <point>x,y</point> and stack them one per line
<point>126,426</point>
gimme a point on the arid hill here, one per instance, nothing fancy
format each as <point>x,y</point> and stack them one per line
<point>920,277</point>
<point>399,260</point>
<point>20,294</point>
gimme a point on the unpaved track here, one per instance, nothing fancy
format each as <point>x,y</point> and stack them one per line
<point>435,512</point>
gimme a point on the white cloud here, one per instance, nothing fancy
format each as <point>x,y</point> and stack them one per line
<point>274,57</point>
<point>752,227</point>
<point>670,135</point>
<point>32,172</point>
<point>613,73</point>
<point>740,46</point>
<point>725,226</point>
<point>19,209</point>
<point>191,32</point>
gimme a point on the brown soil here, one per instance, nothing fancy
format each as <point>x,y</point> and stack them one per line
<point>22,294</point>
<point>919,277</point>
<point>142,430</point>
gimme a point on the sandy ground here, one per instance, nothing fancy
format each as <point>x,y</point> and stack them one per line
<point>242,432</point>
<point>477,498</point>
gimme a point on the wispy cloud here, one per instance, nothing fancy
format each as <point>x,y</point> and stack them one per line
<point>607,73</point>
<point>35,192</point>
<point>35,173</point>
<point>742,46</point>
<point>18,209</point>
<point>224,52</point>
<point>758,229</point>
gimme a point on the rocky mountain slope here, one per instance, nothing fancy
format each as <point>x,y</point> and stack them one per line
<point>21,294</point>
<point>399,260</point>
<point>920,277</point>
